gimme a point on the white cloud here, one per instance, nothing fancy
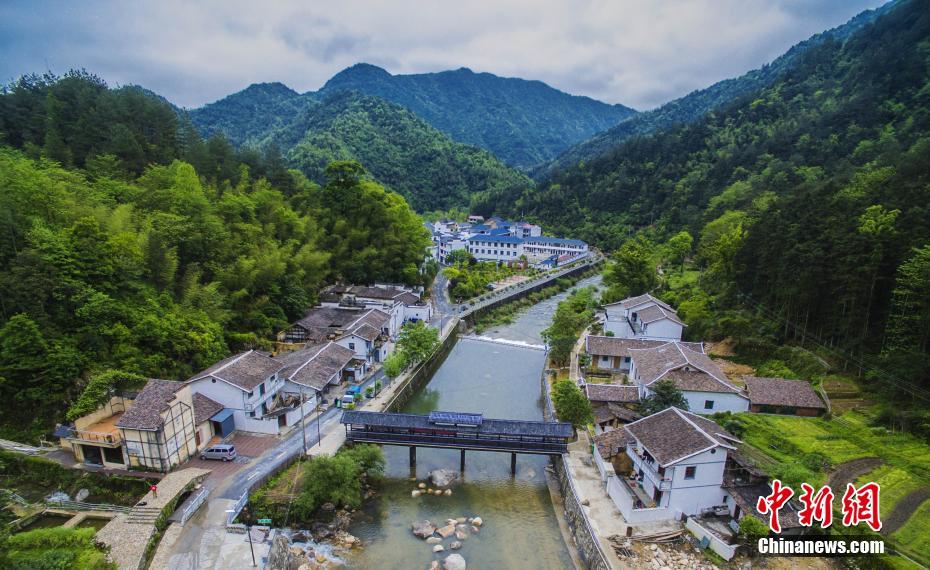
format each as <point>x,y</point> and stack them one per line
<point>637,52</point>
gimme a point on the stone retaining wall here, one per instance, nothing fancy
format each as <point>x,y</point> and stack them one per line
<point>586,543</point>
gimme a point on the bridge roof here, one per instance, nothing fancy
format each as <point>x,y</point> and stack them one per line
<point>488,426</point>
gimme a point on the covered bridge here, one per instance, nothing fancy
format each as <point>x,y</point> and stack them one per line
<point>454,430</point>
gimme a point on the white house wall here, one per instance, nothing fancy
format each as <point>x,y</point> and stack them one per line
<point>691,496</point>
<point>723,402</point>
<point>664,329</point>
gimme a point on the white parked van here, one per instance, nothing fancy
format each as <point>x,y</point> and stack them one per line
<point>224,452</point>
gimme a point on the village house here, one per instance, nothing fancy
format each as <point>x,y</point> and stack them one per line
<point>401,303</point>
<point>364,331</point>
<point>643,317</point>
<point>612,404</point>
<point>704,386</point>
<point>314,369</point>
<point>246,385</point>
<point>612,355</point>
<point>678,464</point>
<point>782,396</point>
<point>162,426</point>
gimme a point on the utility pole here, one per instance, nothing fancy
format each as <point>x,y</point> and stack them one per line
<point>303,420</point>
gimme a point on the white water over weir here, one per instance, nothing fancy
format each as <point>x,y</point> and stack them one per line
<point>505,342</point>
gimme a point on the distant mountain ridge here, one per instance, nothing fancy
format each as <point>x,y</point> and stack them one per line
<point>522,122</point>
<point>698,103</point>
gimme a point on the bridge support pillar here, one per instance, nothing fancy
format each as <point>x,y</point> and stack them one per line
<point>462,462</point>
<point>413,457</point>
<point>513,464</point>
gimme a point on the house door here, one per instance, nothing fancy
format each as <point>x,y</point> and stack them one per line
<point>736,513</point>
<point>282,420</point>
<point>92,454</point>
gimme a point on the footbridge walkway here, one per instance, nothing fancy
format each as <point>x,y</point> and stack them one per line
<point>455,430</point>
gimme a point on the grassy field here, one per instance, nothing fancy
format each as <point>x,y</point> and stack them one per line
<point>914,537</point>
<point>895,483</point>
<point>786,440</point>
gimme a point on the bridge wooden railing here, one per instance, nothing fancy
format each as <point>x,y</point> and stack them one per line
<point>510,444</point>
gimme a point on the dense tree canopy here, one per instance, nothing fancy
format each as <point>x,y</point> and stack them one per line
<point>808,197</point>
<point>162,267</point>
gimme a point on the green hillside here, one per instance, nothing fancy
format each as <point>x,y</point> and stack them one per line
<point>128,242</point>
<point>521,122</point>
<point>695,105</point>
<point>808,198</point>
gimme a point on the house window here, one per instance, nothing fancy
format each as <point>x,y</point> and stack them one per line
<point>251,414</point>
<point>690,471</point>
<point>626,359</point>
<point>605,359</point>
<point>261,389</point>
<point>708,404</point>
<point>351,346</point>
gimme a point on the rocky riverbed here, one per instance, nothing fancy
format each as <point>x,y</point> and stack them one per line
<point>448,536</point>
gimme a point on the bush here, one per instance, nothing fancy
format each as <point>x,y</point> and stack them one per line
<point>570,404</point>
<point>752,529</point>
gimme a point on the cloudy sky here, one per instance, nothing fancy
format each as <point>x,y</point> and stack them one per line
<point>637,52</point>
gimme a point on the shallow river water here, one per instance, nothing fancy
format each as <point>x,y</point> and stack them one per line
<point>520,525</point>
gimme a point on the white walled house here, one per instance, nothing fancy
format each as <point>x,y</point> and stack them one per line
<point>314,370</point>
<point>643,317</point>
<point>614,354</point>
<point>246,384</point>
<point>679,460</point>
<point>704,385</point>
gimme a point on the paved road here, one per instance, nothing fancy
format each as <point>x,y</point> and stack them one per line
<point>203,540</point>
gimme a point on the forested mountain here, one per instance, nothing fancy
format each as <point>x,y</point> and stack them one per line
<point>400,149</point>
<point>695,105</point>
<point>522,122</point>
<point>128,242</point>
<point>810,197</point>
<point>246,118</point>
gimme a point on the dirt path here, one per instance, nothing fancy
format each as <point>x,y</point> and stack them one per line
<point>906,507</point>
<point>850,471</point>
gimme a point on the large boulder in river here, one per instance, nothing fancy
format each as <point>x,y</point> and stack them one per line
<point>454,562</point>
<point>423,529</point>
<point>442,477</point>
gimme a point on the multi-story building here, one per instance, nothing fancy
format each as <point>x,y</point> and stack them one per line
<point>504,248</point>
<point>643,317</point>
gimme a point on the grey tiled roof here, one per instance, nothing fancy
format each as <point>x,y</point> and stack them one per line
<point>145,412</point>
<point>314,366</point>
<point>245,370</point>
<point>366,332</point>
<point>612,443</point>
<point>653,364</point>
<point>782,392</point>
<point>631,302</point>
<point>329,318</point>
<point>657,313</point>
<point>204,408</point>
<point>673,434</point>
<point>612,346</point>
<point>611,393</point>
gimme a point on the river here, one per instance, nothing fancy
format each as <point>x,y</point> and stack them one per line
<point>520,524</point>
